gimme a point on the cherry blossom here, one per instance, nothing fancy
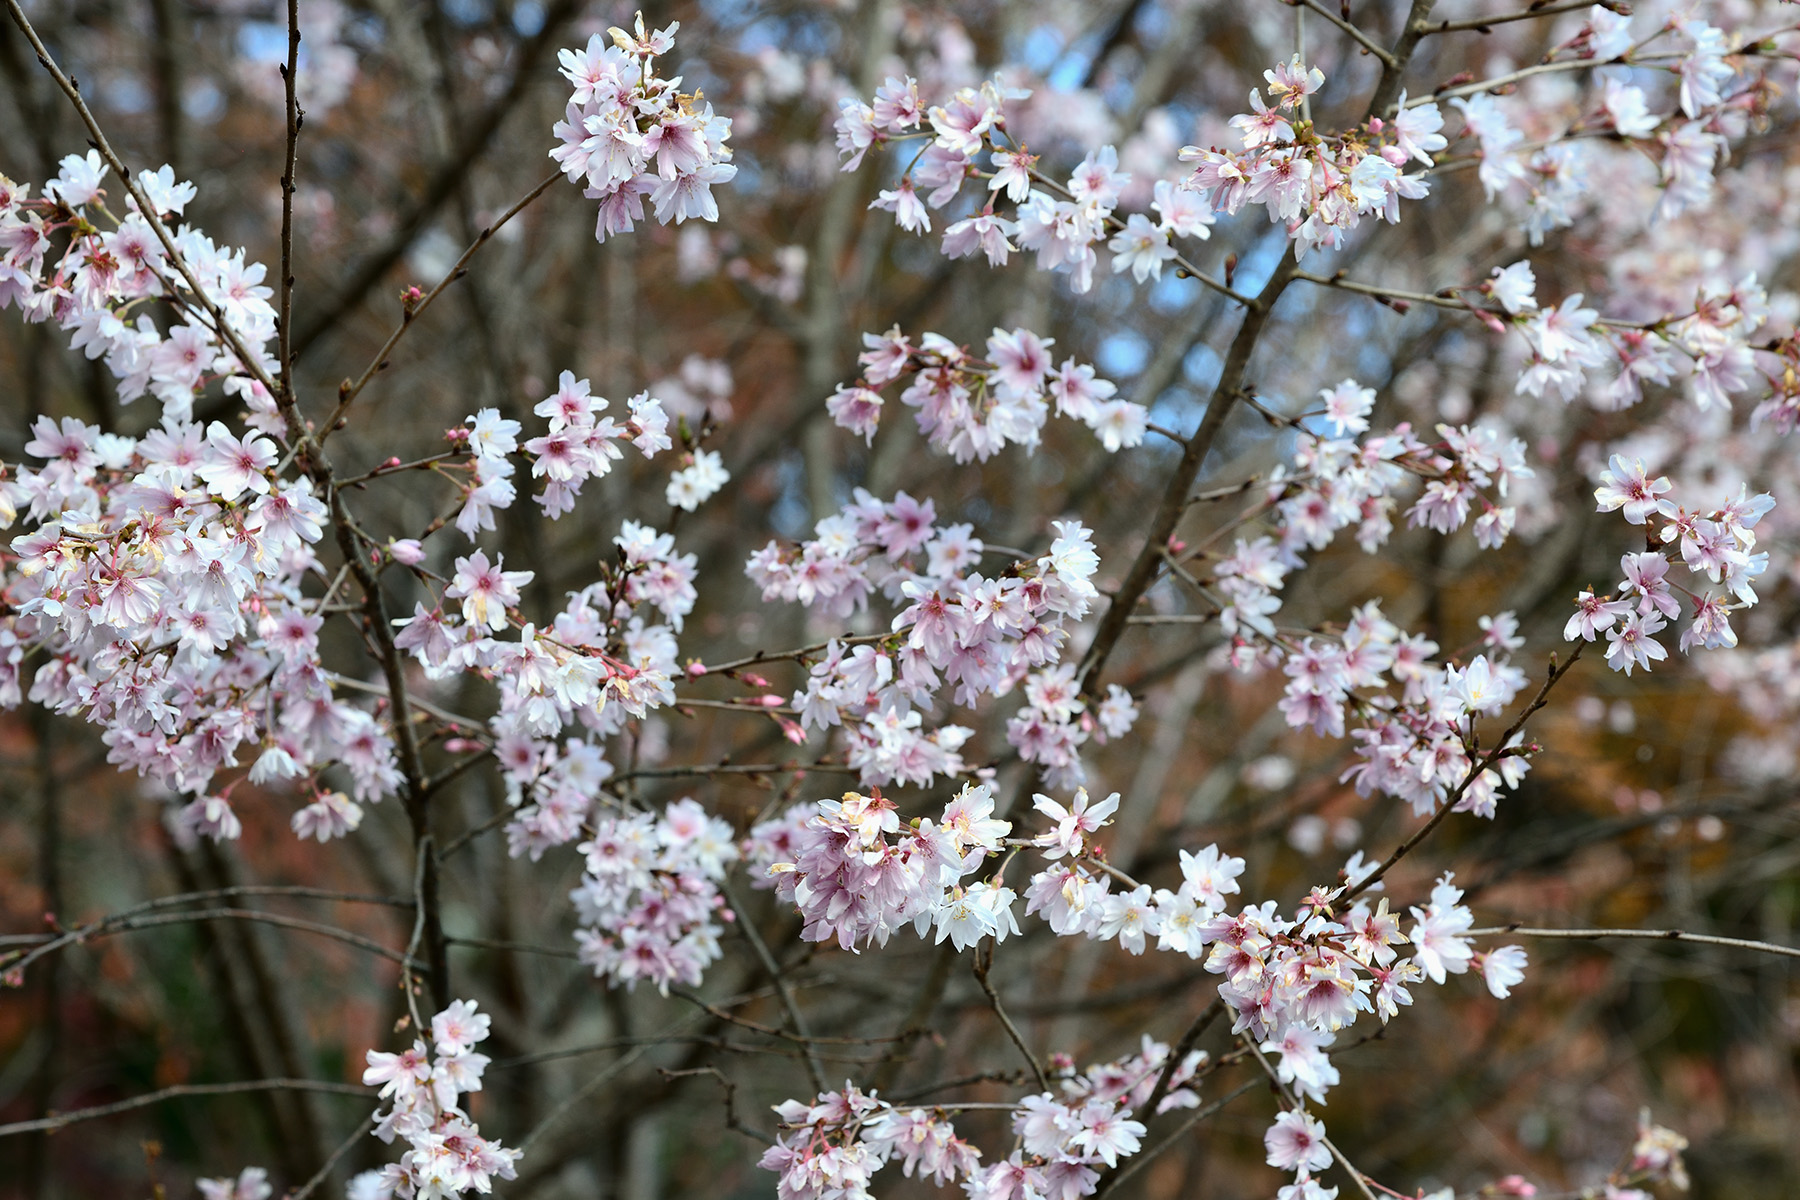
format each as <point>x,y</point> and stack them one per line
<point>629,133</point>
<point>446,1155</point>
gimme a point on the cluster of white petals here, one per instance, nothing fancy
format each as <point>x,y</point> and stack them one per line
<point>629,133</point>
<point>446,1155</point>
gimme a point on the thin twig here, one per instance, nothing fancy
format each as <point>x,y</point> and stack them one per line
<point>421,861</point>
<point>1153,427</point>
<point>463,839</point>
<point>417,464</point>
<point>684,1039</point>
<point>1174,619</point>
<point>469,724</point>
<point>455,771</point>
<point>747,705</point>
<point>349,390</point>
<point>515,947</point>
<point>1198,1026</point>
<point>703,769</point>
<point>1381,53</point>
<point>1493,756</point>
<point>1649,935</point>
<point>295,118</point>
<point>778,978</point>
<point>760,657</point>
<point>349,1143</point>
<point>982,966</point>
<point>57,1121</point>
<point>1446,298</point>
<point>732,1120</point>
<point>714,1011</point>
<point>160,920</point>
<point>1226,491</point>
<point>1485,24</point>
<point>613,1069</point>
<point>1566,64</point>
<point>1006,1077</point>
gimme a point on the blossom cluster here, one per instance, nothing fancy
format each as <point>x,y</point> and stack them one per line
<point>1708,348</point>
<point>832,1147</point>
<point>446,1154</point>
<point>854,886</point>
<point>1056,722</point>
<point>1319,187</point>
<point>1336,481</point>
<point>601,661</point>
<point>551,787</point>
<point>1548,183</point>
<point>971,407</point>
<point>107,264</point>
<point>166,576</point>
<point>1415,742</point>
<point>580,444</point>
<point>954,626</point>
<point>607,656</point>
<point>1062,223</point>
<point>649,902</point>
<point>164,581</point>
<point>1292,985</point>
<point>598,649</point>
<point>629,133</point>
<point>1414,714</point>
<point>1717,546</point>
